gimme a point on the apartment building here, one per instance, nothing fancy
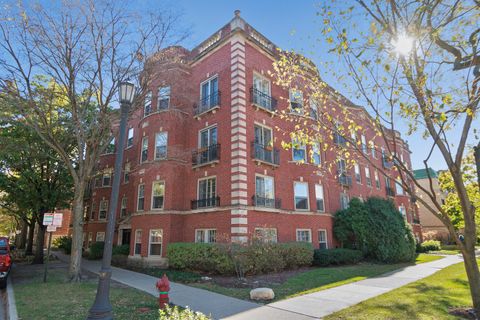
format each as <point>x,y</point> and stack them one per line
<point>204,162</point>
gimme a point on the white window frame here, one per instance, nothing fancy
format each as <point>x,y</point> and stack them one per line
<point>138,197</point>
<point>150,242</point>
<point>100,209</point>
<point>165,96</point>
<point>100,233</point>
<point>294,196</point>
<point>147,103</point>
<point>399,188</point>
<point>267,235</point>
<point>403,211</point>
<point>317,188</point>
<point>301,146</point>
<point>303,230</point>
<point>206,178</point>
<point>206,235</point>
<point>326,238</point>
<point>368,177</point>
<point>208,130</point>
<point>291,95</point>
<point>157,135</point>
<point>130,135</point>
<point>344,195</point>
<point>107,175</point>
<point>123,206</point>
<point>126,173</point>
<point>273,185</point>
<point>209,80</point>
<point>317,150</point>
<point>144,148</point>
<point>135,242</point>
<point>377,180</point>
<point>358,174</point>
<point>153,190</point>
<point>364,144</point>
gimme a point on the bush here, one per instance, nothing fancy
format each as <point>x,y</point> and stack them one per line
<point>95,251</point>
<point>430,245</point>
<point>123,250</point>
<point>336,257</point>
<point>228,258</point>
<point>376,228</point>
<point>449,247</point>
<point>180,314</point>
<point>64,243</point>
<point>119,260</point>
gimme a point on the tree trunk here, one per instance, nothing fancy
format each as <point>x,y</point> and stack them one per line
<point>473,274</point>
<point>39,244</point>
<point>31,232</point>
<point>22,237</point>
<point>77,236</point>
<point>476,153</point>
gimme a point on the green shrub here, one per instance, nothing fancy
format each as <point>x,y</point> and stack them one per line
<point>228,258</point>
<point>123,249</point>
<point>119,260</point>
<point>64,243</point>
<point>180,314</point>
<point>376,228</point>
<point>430,245</point>
<point>336,257</point>
<point>95,251</point>
<point>449,247</point>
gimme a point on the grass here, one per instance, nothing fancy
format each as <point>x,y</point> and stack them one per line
<point>318,279</point>
<point>58,299</point>
<point>429,298</point>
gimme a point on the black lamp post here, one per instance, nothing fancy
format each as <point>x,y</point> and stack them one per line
<point>102,309</point>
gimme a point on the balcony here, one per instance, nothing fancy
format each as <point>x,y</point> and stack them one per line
<point>262,100</point>
<point>265,154</point>
<point>390,191</point>
<point>207,103</point>
<point>206,155</point>
<point>205,203</point>
<point>266,202</point>
<point>345,180</point>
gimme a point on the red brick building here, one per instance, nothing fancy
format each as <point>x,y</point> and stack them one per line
<point>216,171</point>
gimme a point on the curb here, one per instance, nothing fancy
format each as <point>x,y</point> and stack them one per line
<point>11,307</point>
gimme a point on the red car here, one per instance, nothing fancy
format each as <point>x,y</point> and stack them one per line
<point>5,261</point>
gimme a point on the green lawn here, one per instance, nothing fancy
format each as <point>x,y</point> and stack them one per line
<point>318,279</point>
<point>58,299</point>
<point>429,298</point>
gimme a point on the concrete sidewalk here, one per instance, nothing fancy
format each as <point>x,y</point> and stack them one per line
<point>310,306</point>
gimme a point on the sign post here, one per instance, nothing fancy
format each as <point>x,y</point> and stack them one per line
<point>52,221</point>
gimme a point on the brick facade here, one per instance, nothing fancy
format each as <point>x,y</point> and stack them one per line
<point>213,188</point>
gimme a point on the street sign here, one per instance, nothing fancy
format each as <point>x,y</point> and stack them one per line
<point>51,228</point>
<point>48,219</point>
<point>57,219</point>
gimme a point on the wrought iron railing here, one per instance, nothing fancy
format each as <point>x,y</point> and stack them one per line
<point>205,203</point>
<point>265,153</point>
<point>206,155</point>
<point>262,100</point>
<point>344,179</point>
<point>266,202</point>
<point>207,103</point>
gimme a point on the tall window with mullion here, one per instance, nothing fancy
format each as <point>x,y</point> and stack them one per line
<point>261,92</point>
<point>130,138</point>
<point>301,196</point>
<point>206,235</point>
<point>141,198</point>
<point>209,95</point>
<point>299,150</point>
<point>344,200</point>
<point>304,235</point>
<point>320,198</point>
<point>263,143</point>
<point>123,207</point>
<point>296,101</point>
<point>207,192</point>
<point>341,166</point>
<point>208,145</point>
<point>264,191</point>
<point>358,175</point>
<point>368,178</point>
<point>313,108</point>
<point>156,237</point>
<point>138,242</point>
<point>322,239</point>
<point>161,142</point>
<point>102,210</point>
<point>147,107</point>
<point>144,154</point>
<point>163,98</point>
<point>316,155</point>
<point>158,194</point>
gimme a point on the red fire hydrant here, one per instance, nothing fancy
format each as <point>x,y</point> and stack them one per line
<point>163,286</point>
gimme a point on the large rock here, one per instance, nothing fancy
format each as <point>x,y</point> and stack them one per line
<point>262,294</point>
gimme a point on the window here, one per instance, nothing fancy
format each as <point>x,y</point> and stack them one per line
<point>266,235</point>
<point>147,108</point>
<point>207,191</point>
<point>261,92</point>
<point>377,180</point>
<point>138,242</point>
<point>141,197</point>
<point>86,211</point>
<point>368,178</point>
<point>111,146</point>
<point>403,211</point>
<point>100,237</point>
<point>358,176</point>
<point>316,158</point>
<point>161,139</point>
<point>126,173</point>
<point>205,235</point>
<point>399,187</point>
<point>208,137</point>
<point>130,138</point>
<point>158,194</point>
<point>374,152</point>
<point>341,166</point>
<point>320,198</point>
<point>263,135</point>
<point>144,155</point>
<point>156,236</point>
<point>90,239</point>
<point>123,207</point>
<point>163,98</point>
<point>207,144</point>
<point>264,191</point>
<point>209,94</point>
<point>106,179</point>
<point>102,211</point>
<point>296,100</point>
<point>313,109</point>
<point>299,151</point>
<point>364,144</point>
<point>344,200</point>
<point>322,239</point>
<point>301,195</point>
<point>92,211</point>
<point>263,144</point>
<point>304,235</point>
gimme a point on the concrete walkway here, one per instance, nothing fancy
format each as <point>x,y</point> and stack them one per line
<point>310,306</point>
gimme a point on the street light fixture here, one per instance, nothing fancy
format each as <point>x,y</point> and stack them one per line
<point>102,309</point>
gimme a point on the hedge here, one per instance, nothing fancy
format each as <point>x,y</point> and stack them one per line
<point>64,243</point>
<point>95,251</point>
<point>256,258</point>
<point>123,249</point>
<point>326,257</point>
<point>429,245</point>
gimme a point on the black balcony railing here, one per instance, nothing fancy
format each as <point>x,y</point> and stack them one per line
<point>262,100</point>
<point>390,191</point>
<point>207,103</point>
<point>205,203</point>
<point>206,155</point>
<point>265,153</point>
<point>344,179</point>
<point>266,202</point>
